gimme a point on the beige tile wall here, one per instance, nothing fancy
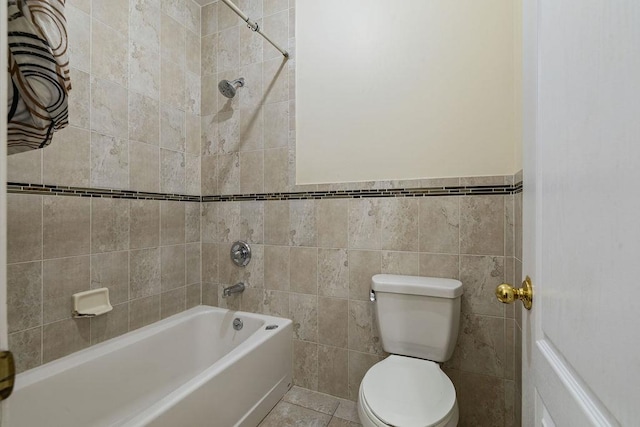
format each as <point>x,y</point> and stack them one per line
<point>146,252</point>
<point>313,262</point>
<point>247,141</point>
<point>518,277</point>
<point>134,109</point>
<point>134,114</point>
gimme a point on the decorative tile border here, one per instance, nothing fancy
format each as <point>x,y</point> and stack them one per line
<point>476,190</point>
<point>358,194</point>
<point>57,190</point>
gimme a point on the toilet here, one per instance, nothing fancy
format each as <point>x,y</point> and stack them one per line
<point>418,320</point>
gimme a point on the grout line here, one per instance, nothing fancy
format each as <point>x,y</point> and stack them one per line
<point>90,255</point>
<point>41,280</point>
<point>306,407</point>
<point>91,90</point>
<point>459,242</point>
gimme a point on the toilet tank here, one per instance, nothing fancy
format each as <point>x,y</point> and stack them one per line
<point>417,316</point>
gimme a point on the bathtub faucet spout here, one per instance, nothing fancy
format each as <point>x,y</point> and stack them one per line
<point>235,289</point>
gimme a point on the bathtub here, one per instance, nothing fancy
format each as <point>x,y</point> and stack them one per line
<point>191,369</point>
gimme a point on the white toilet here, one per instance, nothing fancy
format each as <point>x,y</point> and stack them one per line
<point>418,320</point>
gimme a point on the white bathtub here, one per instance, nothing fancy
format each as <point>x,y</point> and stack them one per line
<point>191,369</point>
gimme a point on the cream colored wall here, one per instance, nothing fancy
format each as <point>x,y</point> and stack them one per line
<point>419,91</point>
<point>518,106</point>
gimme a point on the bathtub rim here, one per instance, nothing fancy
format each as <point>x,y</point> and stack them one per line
<point>65,363</point>
<point>156,410</point>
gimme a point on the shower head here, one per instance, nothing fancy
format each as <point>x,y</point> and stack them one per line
<point>228,88</point>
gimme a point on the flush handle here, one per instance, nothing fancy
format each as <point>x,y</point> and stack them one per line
<point>507,294</point>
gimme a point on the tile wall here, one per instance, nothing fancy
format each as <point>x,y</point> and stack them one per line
<point>517,279</point>
<point>313,261</point>
<point>146,115</point>
<point>248,141</point>
<point>134,115</point>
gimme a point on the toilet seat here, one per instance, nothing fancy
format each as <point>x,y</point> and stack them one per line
<point>408,392</point>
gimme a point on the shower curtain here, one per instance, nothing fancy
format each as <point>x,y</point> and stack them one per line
<point>38,75</point>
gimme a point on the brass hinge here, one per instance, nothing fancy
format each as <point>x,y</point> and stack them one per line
<point>7,374</point>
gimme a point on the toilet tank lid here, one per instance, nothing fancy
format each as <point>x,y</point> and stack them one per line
<point>417,285</point>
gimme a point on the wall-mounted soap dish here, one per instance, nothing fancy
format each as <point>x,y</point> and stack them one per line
<point>91,303</point>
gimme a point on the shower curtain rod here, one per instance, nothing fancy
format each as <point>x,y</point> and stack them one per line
<point>254,26</point>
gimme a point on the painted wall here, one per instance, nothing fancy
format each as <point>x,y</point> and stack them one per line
<point>419,90</point>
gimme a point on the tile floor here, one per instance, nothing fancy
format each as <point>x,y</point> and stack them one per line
<point>306,408</point>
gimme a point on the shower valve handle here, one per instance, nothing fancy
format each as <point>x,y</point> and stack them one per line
<point>240,253</point>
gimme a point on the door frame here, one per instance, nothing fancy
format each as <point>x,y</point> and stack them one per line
<point>4,339</point>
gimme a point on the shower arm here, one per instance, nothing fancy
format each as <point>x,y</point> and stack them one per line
<point>254,26</point>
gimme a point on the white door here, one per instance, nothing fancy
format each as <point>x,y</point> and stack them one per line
<point>581,343</point>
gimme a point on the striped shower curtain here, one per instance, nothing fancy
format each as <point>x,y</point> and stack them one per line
<point>38,73</point>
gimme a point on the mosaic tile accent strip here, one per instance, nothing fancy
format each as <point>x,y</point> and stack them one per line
<point>358,194</point>
<point>25,188</point>
<point>51,190</point>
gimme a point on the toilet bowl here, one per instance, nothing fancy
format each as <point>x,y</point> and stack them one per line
<point>404,391</point>
<point>418,320</point>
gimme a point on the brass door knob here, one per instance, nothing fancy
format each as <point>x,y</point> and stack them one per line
<point>7,374</point>
<point>508,294</point>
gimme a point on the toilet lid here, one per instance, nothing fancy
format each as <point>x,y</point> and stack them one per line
<point>408,392</point>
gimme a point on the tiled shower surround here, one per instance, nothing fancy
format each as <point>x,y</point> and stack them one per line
<point>134,114</point>
<point>138,122</point>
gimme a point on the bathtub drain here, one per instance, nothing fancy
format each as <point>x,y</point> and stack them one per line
<point>237,323</point>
